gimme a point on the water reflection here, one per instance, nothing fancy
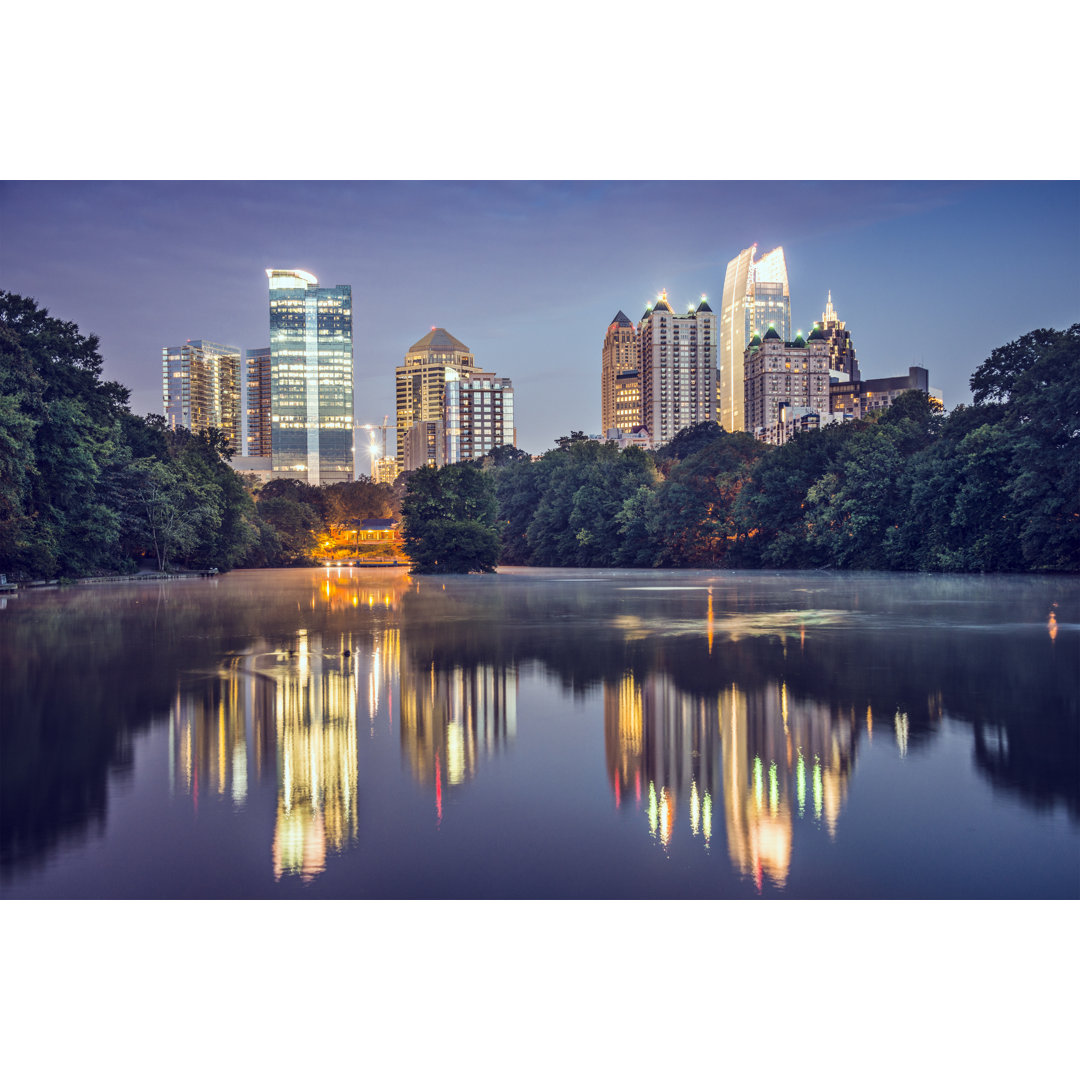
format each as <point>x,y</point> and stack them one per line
<point>451,718</point>
<point>733,712</point>
<point>761,756</point>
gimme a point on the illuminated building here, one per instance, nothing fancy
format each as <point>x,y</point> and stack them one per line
<point>311,378</point>
<point>200,388</point>
<point>784,373</point>
<point>869,395</point>
<point>620,377</point>
<point>842,362</point>
<point>756,297</point>
<point>421,382</point>
<point>384,470</point>
<point>257,385</point>
<point>478,414</point>
<point>678,368</point>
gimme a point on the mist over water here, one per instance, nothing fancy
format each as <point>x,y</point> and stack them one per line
<point>340,733</point>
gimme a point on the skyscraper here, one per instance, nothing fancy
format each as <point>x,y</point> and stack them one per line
<point>756,297</point>
<point>257,380</point>
<point>421,381</point>
<point>478,415</point>
<point>678,368</point>
<point>200,388</point>
<point>311,378</point>
<point>841,349</point>
<point>620,377</point>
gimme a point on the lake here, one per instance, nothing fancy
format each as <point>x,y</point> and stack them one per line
<point>349,733</point>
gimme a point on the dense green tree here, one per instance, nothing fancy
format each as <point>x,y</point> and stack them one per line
<point>1041,383</point>
<point>696,505</point>
<point>359,499</point>
<point>172,507</point>
<point>450,518</point>
<point>59,431</point>
<point>853,507</point>
<point>686,443</point>
<point>770,509</point>
<point>286,532</point>
<point>583,486</point>
<point>503,455</point>
<point>518,489</point>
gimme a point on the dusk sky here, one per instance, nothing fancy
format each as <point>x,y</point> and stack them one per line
<point>529,275</point>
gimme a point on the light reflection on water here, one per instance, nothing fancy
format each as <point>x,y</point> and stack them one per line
<point>374,716</point>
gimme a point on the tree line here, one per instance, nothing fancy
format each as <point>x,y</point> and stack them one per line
<point>991,486</point>
<point>87,487</point>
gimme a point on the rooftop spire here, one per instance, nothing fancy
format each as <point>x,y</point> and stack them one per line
<point>830,311</point>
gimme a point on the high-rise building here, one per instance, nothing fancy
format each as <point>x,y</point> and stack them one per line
<point>257,384</point>
<point>756,297</point>
<point>678,368</point>
<point>841,349</point>
<point>620,377</point>
<point>200,388</point>
<point>778,373</point>
<point>311,378</point>
<point>421,381</point>
<point>478,415</point>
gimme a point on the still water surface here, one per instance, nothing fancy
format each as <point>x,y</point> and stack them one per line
<point>361,733</point>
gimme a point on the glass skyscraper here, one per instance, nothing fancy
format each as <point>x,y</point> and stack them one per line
<point>311,378</point>
<point>756,297</point>
<point>200,388</point>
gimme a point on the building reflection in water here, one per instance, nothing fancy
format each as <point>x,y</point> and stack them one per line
<point>316,717</point>
<point>764,758</point>
<point>453,716</point>
<point>291,714</point>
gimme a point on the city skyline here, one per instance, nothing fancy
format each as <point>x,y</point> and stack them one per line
<point>930,274</point>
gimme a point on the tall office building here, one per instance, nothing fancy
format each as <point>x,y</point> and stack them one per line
<point>257,383</point>
<point>678,368</point>
<point>620,377</point>
<point>311,378</point>
<point>478,415</point>
<point>756,297</point>
<point>841,349</point>
<point>200,388</point>
<point>421,381</point>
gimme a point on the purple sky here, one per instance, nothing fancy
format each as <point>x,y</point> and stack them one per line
<point>528,275</point>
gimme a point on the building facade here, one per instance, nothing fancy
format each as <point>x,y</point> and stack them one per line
<point>257,410</point>
<point>678,368</point>
<point>620,376</point>
<point>478,415</point>
<point>756,296</point>
<point>425,444</point>
<point>311,378</point>
<point>200,388</point>
<point>858,398</point>
<point>421,382</point>
<point>841,349</point>
<point>784,373</point>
